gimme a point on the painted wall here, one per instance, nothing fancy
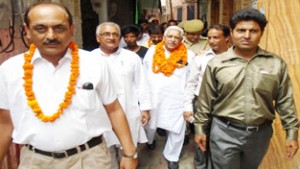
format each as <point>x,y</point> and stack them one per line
<point>282,36</point>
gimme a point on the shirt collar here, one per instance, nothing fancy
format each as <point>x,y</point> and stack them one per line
<point>116,53</point>
<point>210,52</point>
<point>230,55</point>
<point>37,56</point>
<point>185,40</point>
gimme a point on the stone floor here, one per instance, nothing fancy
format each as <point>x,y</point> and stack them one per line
<point>153,159</point>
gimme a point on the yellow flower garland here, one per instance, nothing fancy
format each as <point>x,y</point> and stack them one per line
<point>177,59</point>
<point>31,100</point>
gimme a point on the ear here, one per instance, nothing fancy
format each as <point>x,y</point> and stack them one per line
<point>227,39</point>
<point>72,28</point>
<point>231,30</point>
<point>98,38</point>
<point>27,30</point>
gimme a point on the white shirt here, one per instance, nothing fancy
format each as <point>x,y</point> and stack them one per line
<point>144,39</point>
<point>195,78</point>
<point>83,119</point>
<point>167,94</point>
<point>132,88</point>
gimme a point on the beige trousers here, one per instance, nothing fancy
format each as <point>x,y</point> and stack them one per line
<point>97,157</point>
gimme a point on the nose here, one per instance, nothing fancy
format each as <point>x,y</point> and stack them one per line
<point>173,38</point>
<point>111,35</point>
<point>50,34</point>
<point>247,34</point>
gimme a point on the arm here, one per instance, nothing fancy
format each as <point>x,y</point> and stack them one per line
<point>206,98</point>
<point>143,92</point>
<point>285,107</point>
<point>192,82</point>
<point>142,89</point>
<point>6,128</point>
<point>121,128</point>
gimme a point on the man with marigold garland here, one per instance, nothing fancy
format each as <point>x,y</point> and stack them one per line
<point>167,68</point>
<point>51,99</point>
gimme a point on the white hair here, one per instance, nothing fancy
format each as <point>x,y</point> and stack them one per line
<point>177,28</point>
<point>98,29</point>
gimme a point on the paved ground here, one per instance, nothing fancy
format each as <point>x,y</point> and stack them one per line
<point>153,159</point>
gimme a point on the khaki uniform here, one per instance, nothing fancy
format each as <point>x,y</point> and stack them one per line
<point>201,45</point>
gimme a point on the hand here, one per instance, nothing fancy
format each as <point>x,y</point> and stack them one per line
<point>291,148</point>
<point>201,141</point>
<point>145,117</point>
<point>187,115</point>
<point>128,163</point>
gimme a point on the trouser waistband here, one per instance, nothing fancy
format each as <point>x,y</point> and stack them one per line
<point>91,143</point>
<point>248,128</point>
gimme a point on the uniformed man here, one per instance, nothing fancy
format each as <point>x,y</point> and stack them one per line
<point>192,40</point>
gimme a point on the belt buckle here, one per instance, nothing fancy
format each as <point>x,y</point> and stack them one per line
<point>249,129</point>
<point>59,155</point>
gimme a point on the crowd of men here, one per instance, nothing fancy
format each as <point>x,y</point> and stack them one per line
<point>71,108</point>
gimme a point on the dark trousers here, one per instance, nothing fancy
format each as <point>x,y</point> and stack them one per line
<point>201,159</point>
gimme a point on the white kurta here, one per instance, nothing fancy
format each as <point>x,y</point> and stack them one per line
<point>167,94</point>
<point>132,89</point>
<point>195,78</point>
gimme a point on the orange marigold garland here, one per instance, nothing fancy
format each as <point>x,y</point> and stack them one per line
<point>167,66</point>
<point>31,100</point>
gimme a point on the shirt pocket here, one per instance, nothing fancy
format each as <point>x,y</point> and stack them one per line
<point>266,83</point>
<point>86,100</point>
<point>180,72</point>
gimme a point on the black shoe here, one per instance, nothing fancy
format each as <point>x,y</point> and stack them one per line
<point>186,140</point>
<point>173,165</point>
<point>161,132</point>
<point>152,146</point>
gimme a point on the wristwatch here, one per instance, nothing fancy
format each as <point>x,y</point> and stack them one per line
<point>134,156</point>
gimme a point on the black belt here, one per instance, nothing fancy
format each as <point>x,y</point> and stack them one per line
<point>92,143</point>
<point>244,127</point>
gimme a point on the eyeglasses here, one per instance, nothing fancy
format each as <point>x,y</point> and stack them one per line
<point>108,35</point>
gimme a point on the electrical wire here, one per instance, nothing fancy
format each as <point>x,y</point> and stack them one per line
<point>22,28</point>
<point>23,34</point>
<point>11,30</point>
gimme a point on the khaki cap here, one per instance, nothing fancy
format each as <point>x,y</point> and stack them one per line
<point>181,24</point>
<point>193,26</point>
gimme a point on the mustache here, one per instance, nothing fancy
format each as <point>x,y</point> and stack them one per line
<point>51,42</point>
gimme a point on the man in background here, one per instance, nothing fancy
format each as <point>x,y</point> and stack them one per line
<point>130,33</point>
<point>192,40</point>
<point>218,38</point>
<point>132,87</point>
